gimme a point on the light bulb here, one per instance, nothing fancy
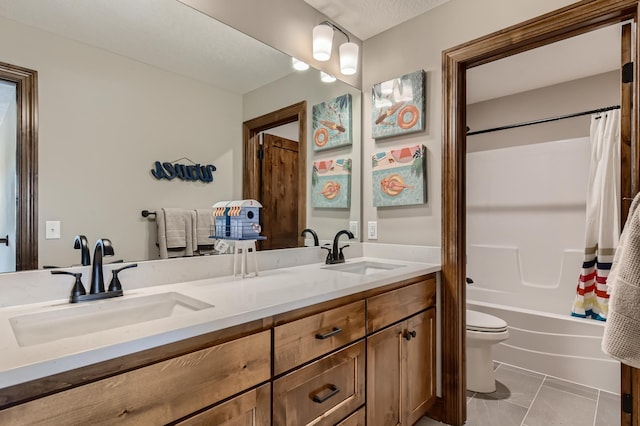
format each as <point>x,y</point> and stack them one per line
<point>348,58</point>
<point>326,78</point>
<point>299,65</point>
<point>322,41</point>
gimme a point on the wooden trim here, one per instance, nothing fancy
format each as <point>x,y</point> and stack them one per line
<point>569,21</point>
<point>251,171</point>
<point>26,81</point>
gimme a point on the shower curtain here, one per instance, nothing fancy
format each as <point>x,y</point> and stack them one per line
<point>603,224</point>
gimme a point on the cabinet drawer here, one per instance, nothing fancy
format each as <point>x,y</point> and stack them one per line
<point>322,392</point>
<point>308,338</point>
<point>395,305</point>
<point>252,408</point>
<point>356,419</point>
<point>158,393</point>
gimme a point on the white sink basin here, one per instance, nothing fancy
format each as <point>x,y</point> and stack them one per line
<point>82,319</point>
<point>364,268</point>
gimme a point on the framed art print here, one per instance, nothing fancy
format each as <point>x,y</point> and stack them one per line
<point>331,183</point>
<point>399,176</point>
<point>398,106</point>
<point>331,123</point>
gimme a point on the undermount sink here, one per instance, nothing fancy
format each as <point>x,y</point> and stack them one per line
<point>79,320</point>
<point>364,268</point>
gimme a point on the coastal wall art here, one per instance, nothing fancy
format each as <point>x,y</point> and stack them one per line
<point>398,106</point>
<point>399,176</point>
<point>331,184</point>
<point>331,122</point>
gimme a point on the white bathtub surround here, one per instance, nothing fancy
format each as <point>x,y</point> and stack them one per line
<point>603,212</point>
<point>623,324</point>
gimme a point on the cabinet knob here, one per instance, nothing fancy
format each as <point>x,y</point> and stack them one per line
<point>409,334</point>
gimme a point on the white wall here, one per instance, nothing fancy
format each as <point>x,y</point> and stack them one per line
<point>584,94</point>
<point>307,86</point>
<point>103,121</point>
<point>418,44</point>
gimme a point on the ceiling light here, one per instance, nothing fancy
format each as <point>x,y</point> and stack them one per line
<point>322,46</point>
<point>299,65</point>
<point>348,58</point>
<point>326,78</point>
<point>322,41</point>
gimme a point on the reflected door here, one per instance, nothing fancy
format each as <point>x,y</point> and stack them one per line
<point>279,192</point>
<point>8,151</point>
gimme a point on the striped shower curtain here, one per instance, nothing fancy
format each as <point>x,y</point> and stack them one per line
<point>603,212</point>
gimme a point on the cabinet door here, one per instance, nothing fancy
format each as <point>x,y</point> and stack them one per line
<point>384,372</point>
<point>252,408</point>
<point>421,365</point>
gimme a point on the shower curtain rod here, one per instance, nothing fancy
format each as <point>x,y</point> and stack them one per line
<point>542,120</point>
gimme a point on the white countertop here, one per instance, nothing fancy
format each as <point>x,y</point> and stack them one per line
<point>236,301</point>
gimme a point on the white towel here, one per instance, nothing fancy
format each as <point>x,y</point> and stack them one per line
<point>176,233</point>
<point>204,226</point>
<point>622,328</point>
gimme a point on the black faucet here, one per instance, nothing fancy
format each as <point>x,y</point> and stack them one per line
<point>103,248</point>
<point>316,242</point>
<point>336,255</point>
<point>81,243</point>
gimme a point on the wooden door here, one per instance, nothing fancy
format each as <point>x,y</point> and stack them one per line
<point>420,390</point>
<point>384,376</point>
<point>279,192</point>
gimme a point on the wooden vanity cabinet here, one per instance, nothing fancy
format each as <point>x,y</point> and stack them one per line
<point>401,355</point>
<point>158,393</point>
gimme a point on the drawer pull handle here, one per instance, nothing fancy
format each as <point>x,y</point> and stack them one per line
<point>409,334</point>
<point>320,399</point>
<point>333,332</point>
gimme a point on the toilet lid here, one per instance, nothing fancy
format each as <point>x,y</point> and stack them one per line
<point>479,321</point>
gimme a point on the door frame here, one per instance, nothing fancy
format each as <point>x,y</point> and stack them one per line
<point>251,144</point>
<point>26,81</point>
<point>572,20</point>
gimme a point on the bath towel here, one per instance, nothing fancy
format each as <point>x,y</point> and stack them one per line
<point>175,232</point>
<point>204,227</point>
<point>622,328</point>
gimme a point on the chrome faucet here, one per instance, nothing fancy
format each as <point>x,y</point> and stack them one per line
<point>336,255</point>
<point>103,248</point>
<point>316,242</point>
<point>81,243</point>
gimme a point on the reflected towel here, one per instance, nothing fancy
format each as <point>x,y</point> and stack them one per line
<point>176,233</point>
<point>204,226</point>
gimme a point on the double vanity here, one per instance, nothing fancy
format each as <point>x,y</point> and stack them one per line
<point>294,345</point>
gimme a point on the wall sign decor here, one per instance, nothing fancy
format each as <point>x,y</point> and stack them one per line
<point>399,176</point>
<point>399,106</point>
<point>189,172</point>
<point>332,123</point>
<point>331,184</point>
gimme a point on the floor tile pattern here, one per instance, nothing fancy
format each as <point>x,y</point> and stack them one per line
<point>526,398</point>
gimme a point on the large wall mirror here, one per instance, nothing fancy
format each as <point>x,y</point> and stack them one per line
<point>124,84</point>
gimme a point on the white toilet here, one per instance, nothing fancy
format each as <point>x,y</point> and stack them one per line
<point>483,331</point>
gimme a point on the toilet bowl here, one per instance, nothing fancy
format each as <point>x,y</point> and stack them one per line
<point>483,331</point>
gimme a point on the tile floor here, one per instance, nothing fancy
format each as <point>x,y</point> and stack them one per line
<point>525,398</point>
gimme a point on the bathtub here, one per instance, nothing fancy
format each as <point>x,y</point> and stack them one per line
<point>543,336</point>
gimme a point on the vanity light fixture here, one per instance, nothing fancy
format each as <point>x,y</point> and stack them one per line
<point>326,78</point>
<point>298,65</point>
<point>322,44</point>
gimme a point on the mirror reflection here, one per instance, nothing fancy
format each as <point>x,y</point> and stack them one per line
<point>123,85</point>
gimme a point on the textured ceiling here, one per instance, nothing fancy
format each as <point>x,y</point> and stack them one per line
<point>163,33</point>
<point>366,18</point>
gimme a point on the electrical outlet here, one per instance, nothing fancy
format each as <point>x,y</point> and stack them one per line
<point>353,227</point>
<point>52,230</point>
<point>372,230</point>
